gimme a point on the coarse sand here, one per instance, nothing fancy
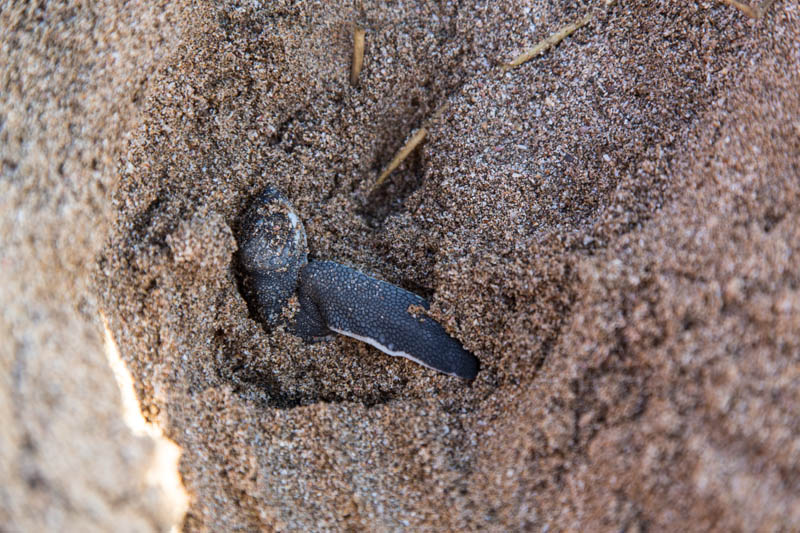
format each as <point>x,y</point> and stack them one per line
<point>612,228</point>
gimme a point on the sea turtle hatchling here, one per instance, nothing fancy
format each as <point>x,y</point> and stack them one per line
<point>273,255</point>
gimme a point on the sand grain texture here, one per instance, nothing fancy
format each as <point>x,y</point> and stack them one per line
<point>611,227</point>
<point>68,83</point>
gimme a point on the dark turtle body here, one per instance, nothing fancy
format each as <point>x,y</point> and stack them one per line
<point>334,297</point>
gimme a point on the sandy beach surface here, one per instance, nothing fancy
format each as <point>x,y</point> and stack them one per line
<point>612,228</point>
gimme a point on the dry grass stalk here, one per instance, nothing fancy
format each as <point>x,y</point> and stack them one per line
<point>753,12</point>
<point>549,42</point>
<point>401,155</point>
<point>358,54</point>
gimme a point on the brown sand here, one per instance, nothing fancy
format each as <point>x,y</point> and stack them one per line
<point>612,228</point>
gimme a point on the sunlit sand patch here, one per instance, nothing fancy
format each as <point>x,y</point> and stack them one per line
<point>162,472</point>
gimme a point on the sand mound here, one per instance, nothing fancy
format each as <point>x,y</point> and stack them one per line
<point>611,227</point>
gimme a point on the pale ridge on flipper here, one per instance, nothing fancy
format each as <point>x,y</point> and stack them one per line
<point>387,351</point>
